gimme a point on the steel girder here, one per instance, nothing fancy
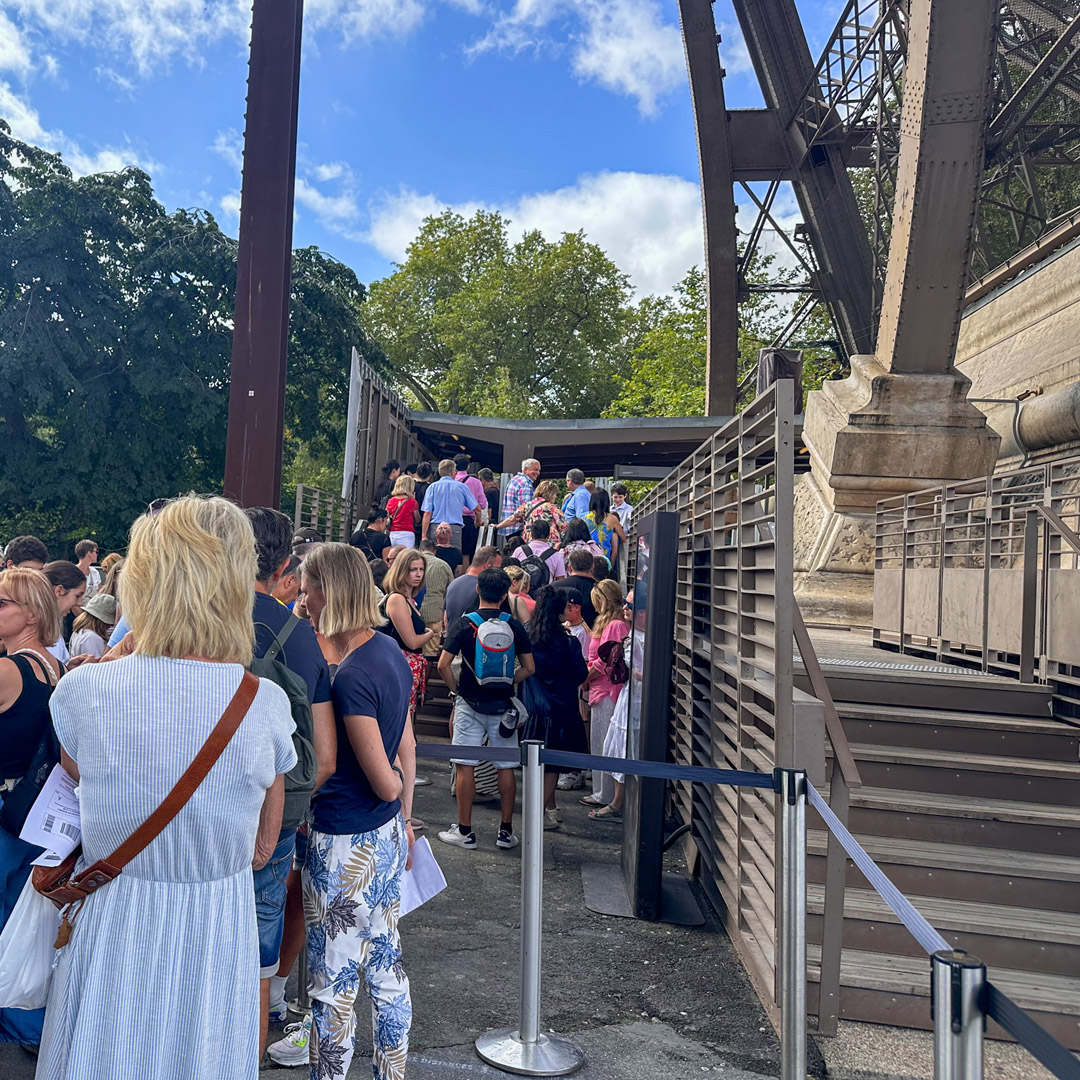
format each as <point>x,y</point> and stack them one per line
<point>264,262</point>
<point>717,203</point>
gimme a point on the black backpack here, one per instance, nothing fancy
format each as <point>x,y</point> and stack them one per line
<point>538,570</point>
<point>300,779</point>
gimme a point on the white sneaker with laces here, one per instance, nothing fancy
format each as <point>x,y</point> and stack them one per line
<point>550,820</point>
<point>506,840</point>
<point>570,781</point>
<point>454,836</point>
<point>293,1049</point>
<point>279,1011</point>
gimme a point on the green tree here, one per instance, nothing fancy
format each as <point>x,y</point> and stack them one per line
<point>115,344</point>
<point>473,324</point>
<point>666,372</point>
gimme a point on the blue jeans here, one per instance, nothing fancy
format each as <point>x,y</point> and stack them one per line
<point>270,892</point>
<point>16,1025</point>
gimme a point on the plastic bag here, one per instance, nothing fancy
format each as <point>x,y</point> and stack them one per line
<point>27,955</point>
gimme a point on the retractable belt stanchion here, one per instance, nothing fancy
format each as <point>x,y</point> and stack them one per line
<point>525,1050</point>
<point>790,786</point>
<point>957,1006</point>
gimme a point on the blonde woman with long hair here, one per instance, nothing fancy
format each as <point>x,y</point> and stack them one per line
<point>29,624</point>
<point>170,946</point>
<point>609,625</point>
<point>404,512</point>
<point>359,839</point>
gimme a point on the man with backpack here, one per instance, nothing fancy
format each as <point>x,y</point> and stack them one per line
<point>539,559</point>
<point>287,653</point>
<point>496,656</point>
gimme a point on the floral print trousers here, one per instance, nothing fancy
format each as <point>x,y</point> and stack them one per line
<point>352,888</point>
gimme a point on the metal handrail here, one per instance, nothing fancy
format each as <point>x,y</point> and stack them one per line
<point>844,777</point>
<point>1033,540</point>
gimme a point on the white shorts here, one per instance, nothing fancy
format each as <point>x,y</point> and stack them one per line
<point>471,726</point>
<point>403,539</point>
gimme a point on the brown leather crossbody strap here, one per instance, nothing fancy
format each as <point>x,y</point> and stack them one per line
<point>196,772</point>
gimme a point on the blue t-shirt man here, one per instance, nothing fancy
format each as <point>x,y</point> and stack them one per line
<point>373,680</point>
<point>300,654</point>
<point>447,500</point>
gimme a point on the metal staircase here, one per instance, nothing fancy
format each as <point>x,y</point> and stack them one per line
<point>971,804</point>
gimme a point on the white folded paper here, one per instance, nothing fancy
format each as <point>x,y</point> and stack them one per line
<point>53,821</point>
<point>423,881</point>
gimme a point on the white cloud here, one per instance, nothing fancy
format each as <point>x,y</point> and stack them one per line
<point>230,208</point>
<point>364,19</point>
<point>14,49</point>
<point>624,45</point>
<point>649,224</point>
<point>121,82</point>
<point>331,170</point>
<point>230,146</point>
<point>26,125</point>
<point>335,212</point>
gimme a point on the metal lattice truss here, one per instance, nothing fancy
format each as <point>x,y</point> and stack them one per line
<point>1032,175</point>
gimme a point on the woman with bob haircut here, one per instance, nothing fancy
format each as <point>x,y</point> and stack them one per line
<point>29,624</point>
<point>160,978</point>
<point>359,840</point>
<point>404,512</point>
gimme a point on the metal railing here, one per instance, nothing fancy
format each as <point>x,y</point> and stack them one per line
<point>955,564</point>
<point>733,702</point>
<point>330,514</point>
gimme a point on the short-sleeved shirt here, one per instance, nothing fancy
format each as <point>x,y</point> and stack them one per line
<point>301,653</point>
<point>373,680</point>
<point>474,484</point>
<point>447,500</point>
<point>460,593</point>
<point>518,493</point>
<point>556,566</point>
<point>371,542</point>
<point>576,503</point>
<point>623,511</point>
<point>452,556</point>
<point>437,578</point>
<point>584,585</point>
<point>461,639</point>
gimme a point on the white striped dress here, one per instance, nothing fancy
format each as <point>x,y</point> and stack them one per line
<point>160,978</point>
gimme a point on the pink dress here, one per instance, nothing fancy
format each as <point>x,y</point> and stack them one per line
<point>603,687</point>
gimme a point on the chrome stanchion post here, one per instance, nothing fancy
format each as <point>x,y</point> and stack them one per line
<point>957,1000</point>
<point>525,1050</point>
<point>790,787</point>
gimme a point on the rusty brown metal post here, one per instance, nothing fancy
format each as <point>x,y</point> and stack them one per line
<point>717,203</point>
<point>261,333</point>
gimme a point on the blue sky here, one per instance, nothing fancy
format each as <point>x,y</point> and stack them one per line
<point>563,114</point>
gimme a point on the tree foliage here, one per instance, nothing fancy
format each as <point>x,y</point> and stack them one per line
<point>474,324</point>
<point>115,343</point>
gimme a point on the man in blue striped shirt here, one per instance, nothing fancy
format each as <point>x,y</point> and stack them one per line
<point>576,503</point>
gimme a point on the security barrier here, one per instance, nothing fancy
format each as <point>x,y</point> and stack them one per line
<point>962,998</point>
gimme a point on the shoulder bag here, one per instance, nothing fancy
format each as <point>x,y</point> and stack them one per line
<point>63,886</point>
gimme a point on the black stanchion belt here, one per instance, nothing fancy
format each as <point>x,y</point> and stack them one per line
<point>658,769</point>
<point>1039,1042</point>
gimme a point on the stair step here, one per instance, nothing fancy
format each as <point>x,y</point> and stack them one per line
<point>964,820</point>
<point>1027,939</point>
<point>968,732</point>
<point>984,775</point>
<point>924,868</point>
<point>896,989</point>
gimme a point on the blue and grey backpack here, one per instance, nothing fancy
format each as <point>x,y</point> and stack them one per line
<point>493,657</point>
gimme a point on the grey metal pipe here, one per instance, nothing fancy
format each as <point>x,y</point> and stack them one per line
<point>957,995</point>
<point>1036,422</point>
<point>526,1051</point>
<point>791,798</point>
<point>532,891</point>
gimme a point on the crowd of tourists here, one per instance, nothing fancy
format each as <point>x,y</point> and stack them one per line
<point>128,669</point>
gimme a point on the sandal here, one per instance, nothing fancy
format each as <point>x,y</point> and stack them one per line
<point>607,813</point>
<point>591,800</point>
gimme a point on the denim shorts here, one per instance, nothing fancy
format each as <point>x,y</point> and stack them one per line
<point>471,726</point>
<point>270,891</point>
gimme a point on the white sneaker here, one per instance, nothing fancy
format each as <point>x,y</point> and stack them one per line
<point>421,781</point>
<point>293,1049</point>
<point>550,820</point>
<point>454,836</point>
<point>570,781</point>
<point>279,1011</point>
<point>506,840</point>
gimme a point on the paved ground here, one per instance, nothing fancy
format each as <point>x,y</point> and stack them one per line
<point>642,1000</point>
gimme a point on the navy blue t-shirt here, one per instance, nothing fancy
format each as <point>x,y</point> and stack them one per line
<point>373,680</point>
<point>301,654</point>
